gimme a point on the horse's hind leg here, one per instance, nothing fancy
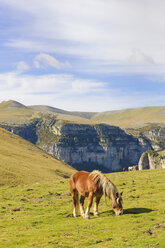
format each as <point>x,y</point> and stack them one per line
<point>75,202</point>
<point>90,200</point>
<point>95,209</point>
<point>82,198</point>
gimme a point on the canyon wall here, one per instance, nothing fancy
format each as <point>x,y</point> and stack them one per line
<point>85,147</point>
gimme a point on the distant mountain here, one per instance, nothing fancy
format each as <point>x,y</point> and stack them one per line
<point>11,104</point>
<point>48,109</point>
<point>15,112</point>
<point>126,118</point>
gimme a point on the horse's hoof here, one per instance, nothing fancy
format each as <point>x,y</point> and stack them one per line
<point>75,215</point>
<point>83,215</point>
<point>86,217</point>
<point>96,214</point>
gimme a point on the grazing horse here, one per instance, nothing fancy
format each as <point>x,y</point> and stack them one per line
<point>93,184</point>
<point>133,168</point>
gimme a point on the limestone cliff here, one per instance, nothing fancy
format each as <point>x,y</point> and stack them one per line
<point>88,147</point>
<point>85,147</point>
<point>26,131</point>
<point>154,133</point>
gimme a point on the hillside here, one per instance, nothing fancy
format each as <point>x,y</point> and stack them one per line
<point>135,118</point>
<point>22,163</point>
<point>40,215</point>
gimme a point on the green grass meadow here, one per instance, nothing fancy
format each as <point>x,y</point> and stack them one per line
<point>40,215</point>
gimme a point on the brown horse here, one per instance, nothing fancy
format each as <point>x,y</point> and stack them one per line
<point>91,185</point>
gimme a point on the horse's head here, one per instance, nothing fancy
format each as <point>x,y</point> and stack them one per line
<point>117,204</point>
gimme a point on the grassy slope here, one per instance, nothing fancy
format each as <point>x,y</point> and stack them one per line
<point>22,162</point>
<point>132,117</point>
<point>43,219</point>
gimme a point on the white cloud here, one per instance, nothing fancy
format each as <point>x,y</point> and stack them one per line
<point>44,60</point>
<point>56,84</point>
<point>22,66</point>
<point>68,92</point>
<point>138,58</point>
<point>59,90</point>
<point>104,31</point>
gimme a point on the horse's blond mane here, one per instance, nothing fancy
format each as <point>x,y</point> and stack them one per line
<point>109,189</point>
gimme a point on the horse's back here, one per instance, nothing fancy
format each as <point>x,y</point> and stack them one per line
<point>78,177</point>
<point>81,182</point>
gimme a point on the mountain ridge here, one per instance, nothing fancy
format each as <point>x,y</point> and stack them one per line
<point>124,118</point>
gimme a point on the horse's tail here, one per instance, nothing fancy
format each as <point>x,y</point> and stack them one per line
<point>105,199</point>
<point>72,183</point>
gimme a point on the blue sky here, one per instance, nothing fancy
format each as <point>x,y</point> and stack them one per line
<point>87,55</point>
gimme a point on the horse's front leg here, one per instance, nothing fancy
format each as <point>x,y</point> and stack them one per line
<point>95,209</point>
<point>90,200</point>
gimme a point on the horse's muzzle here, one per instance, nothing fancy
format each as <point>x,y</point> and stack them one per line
<point>119,212</point>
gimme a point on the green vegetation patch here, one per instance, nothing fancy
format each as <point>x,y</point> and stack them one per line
<point>162,154</point>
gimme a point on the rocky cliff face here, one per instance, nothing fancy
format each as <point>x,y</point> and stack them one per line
<point>151,160</point>
<point>156,137</point>
<point>88,147</point>
<point>85,147</point>
<point>154,133</point>
<point>26,131</point>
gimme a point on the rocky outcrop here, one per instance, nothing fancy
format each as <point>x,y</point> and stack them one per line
<point>151,160</point>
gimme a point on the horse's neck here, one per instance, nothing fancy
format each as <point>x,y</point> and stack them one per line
<point>109,189</point>
<point>112,190</point>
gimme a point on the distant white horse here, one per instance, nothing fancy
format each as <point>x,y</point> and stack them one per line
<point>133,168</point>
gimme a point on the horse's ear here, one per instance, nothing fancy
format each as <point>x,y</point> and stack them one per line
<point>121,193</point>
<point>117,194</point>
